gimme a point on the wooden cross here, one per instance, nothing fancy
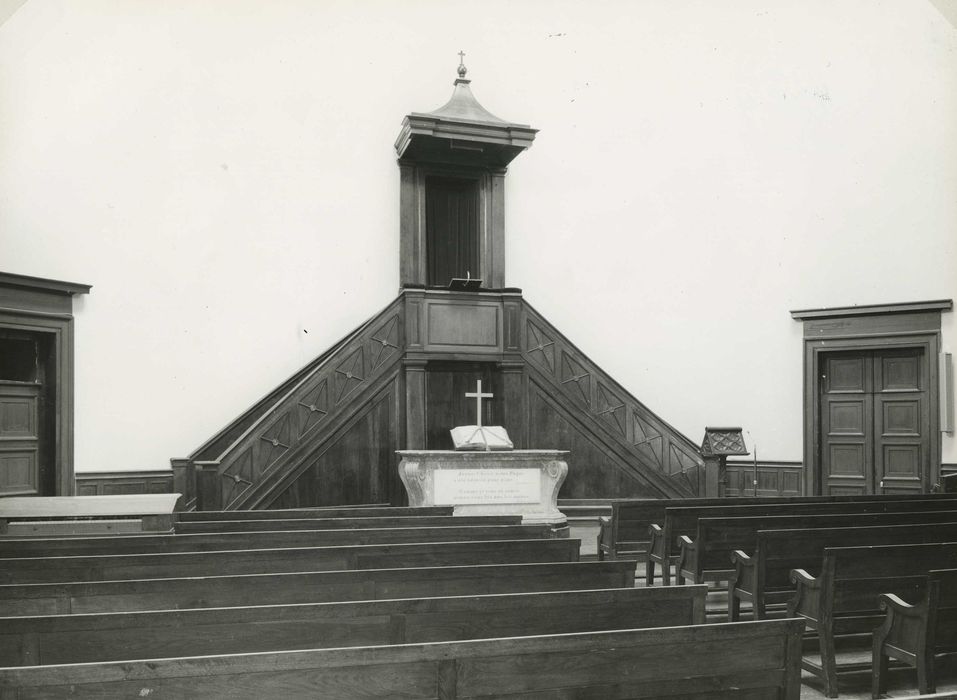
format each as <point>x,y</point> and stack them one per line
<point>478,396</point>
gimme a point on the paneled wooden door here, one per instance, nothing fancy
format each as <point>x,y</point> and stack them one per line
<point>875,422</point>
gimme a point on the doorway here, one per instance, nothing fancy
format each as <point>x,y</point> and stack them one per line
<point>875,422</point>
<point>27,423</point>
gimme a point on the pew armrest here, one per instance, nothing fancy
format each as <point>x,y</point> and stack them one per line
<point>905,626</point>
<point>687,555</point>
<point>807,598</point>
<point>744,572</point>
<point>656,546</point>
<point>606,544</point>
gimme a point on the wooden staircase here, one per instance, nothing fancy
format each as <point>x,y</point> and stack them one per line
<point>328,434</point>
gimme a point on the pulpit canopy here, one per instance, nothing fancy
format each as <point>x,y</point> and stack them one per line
<point>462,131</point>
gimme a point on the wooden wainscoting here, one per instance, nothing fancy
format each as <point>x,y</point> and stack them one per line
<point>122,483</point>
<point>774,479</point>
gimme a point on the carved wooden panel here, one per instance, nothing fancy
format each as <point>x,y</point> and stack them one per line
<point>356,465</point>
<point>614,416</point>
<point>122,483</point>
<point>472,325</point>
<point>593,470</point>
<point>875,422</point>
<point>275,446</point>
<point>19,438</point>
<point>773,480</point>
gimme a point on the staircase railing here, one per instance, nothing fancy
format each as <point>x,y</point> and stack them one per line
<point>639,435</point>
<point>272,436</point>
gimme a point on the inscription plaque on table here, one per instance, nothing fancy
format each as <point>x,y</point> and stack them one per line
<point>510,482</point>
<point>454,487</point>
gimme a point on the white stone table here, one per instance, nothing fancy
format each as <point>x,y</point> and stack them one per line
<point>512,482</point>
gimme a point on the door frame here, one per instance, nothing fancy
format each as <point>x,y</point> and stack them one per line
<point>912,325</point>
<point>45,308</point>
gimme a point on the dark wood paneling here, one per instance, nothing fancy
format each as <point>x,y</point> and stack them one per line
<point>122,483</point>
<point>354,467</point>
<point>446,405</point>
<point>774,479</point>
<point>592,470</point>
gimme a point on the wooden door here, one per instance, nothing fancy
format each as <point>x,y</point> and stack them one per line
<point>20,424</point>
<point>875,422</point>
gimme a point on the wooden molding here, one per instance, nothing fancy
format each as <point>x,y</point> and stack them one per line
<point>9,279</point>
<point>873,309</point>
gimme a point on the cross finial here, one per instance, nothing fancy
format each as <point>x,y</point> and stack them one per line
<point>478,396</point>
<point>462,68</point>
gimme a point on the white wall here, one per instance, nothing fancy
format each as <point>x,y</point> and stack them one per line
<point>223,174</point>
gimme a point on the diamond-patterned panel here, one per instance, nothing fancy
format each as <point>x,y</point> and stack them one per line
<point>723,441</point>
<point>349,375</point>
<point>312,408</point>
<point>576,380</point>
<point>274,443</point>
<point>611,409</point>
<point>384,343</point>
<point>541,348</point>
<point>238,477</point>
<point>648,441</point>
<point>684,467</point>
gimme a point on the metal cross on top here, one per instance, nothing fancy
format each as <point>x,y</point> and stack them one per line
<point>478,396</point>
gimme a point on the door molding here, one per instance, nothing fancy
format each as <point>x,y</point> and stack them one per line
<point>910,325</point>
<point>45,307</point>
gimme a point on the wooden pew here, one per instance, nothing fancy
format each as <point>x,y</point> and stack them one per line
<point>683,521</point>
<point>916,634</point>
<point>203,542</point>
<point>740,660</point>
<point>344,523</point>
<point>320,512</point>
<point>310,587</point>
<point>626,532</point>
<point>113,567</point>
<point>844,599</point>
<point>708,557</point>
<point>764,577</point>
<point>58,515</point>
<point>66,639</point>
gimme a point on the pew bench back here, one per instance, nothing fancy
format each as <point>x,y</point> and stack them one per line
<point>114,567</point>
<point>741,660</point>
<point>345,523</point>
<point>221,541</point>
<point>310,587</point>
<point>765,576</point>
<point>63,639</point>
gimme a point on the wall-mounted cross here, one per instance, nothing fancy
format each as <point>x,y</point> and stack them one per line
<point>478,396</point>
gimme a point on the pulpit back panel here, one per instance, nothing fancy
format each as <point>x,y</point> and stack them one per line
<point>446,404</point>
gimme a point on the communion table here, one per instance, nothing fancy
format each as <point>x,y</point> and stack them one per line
<point>513,482</point>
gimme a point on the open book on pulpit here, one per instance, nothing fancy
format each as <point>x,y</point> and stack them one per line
<point>481,438</point>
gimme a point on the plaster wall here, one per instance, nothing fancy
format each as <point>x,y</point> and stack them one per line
<point>223,174</point>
